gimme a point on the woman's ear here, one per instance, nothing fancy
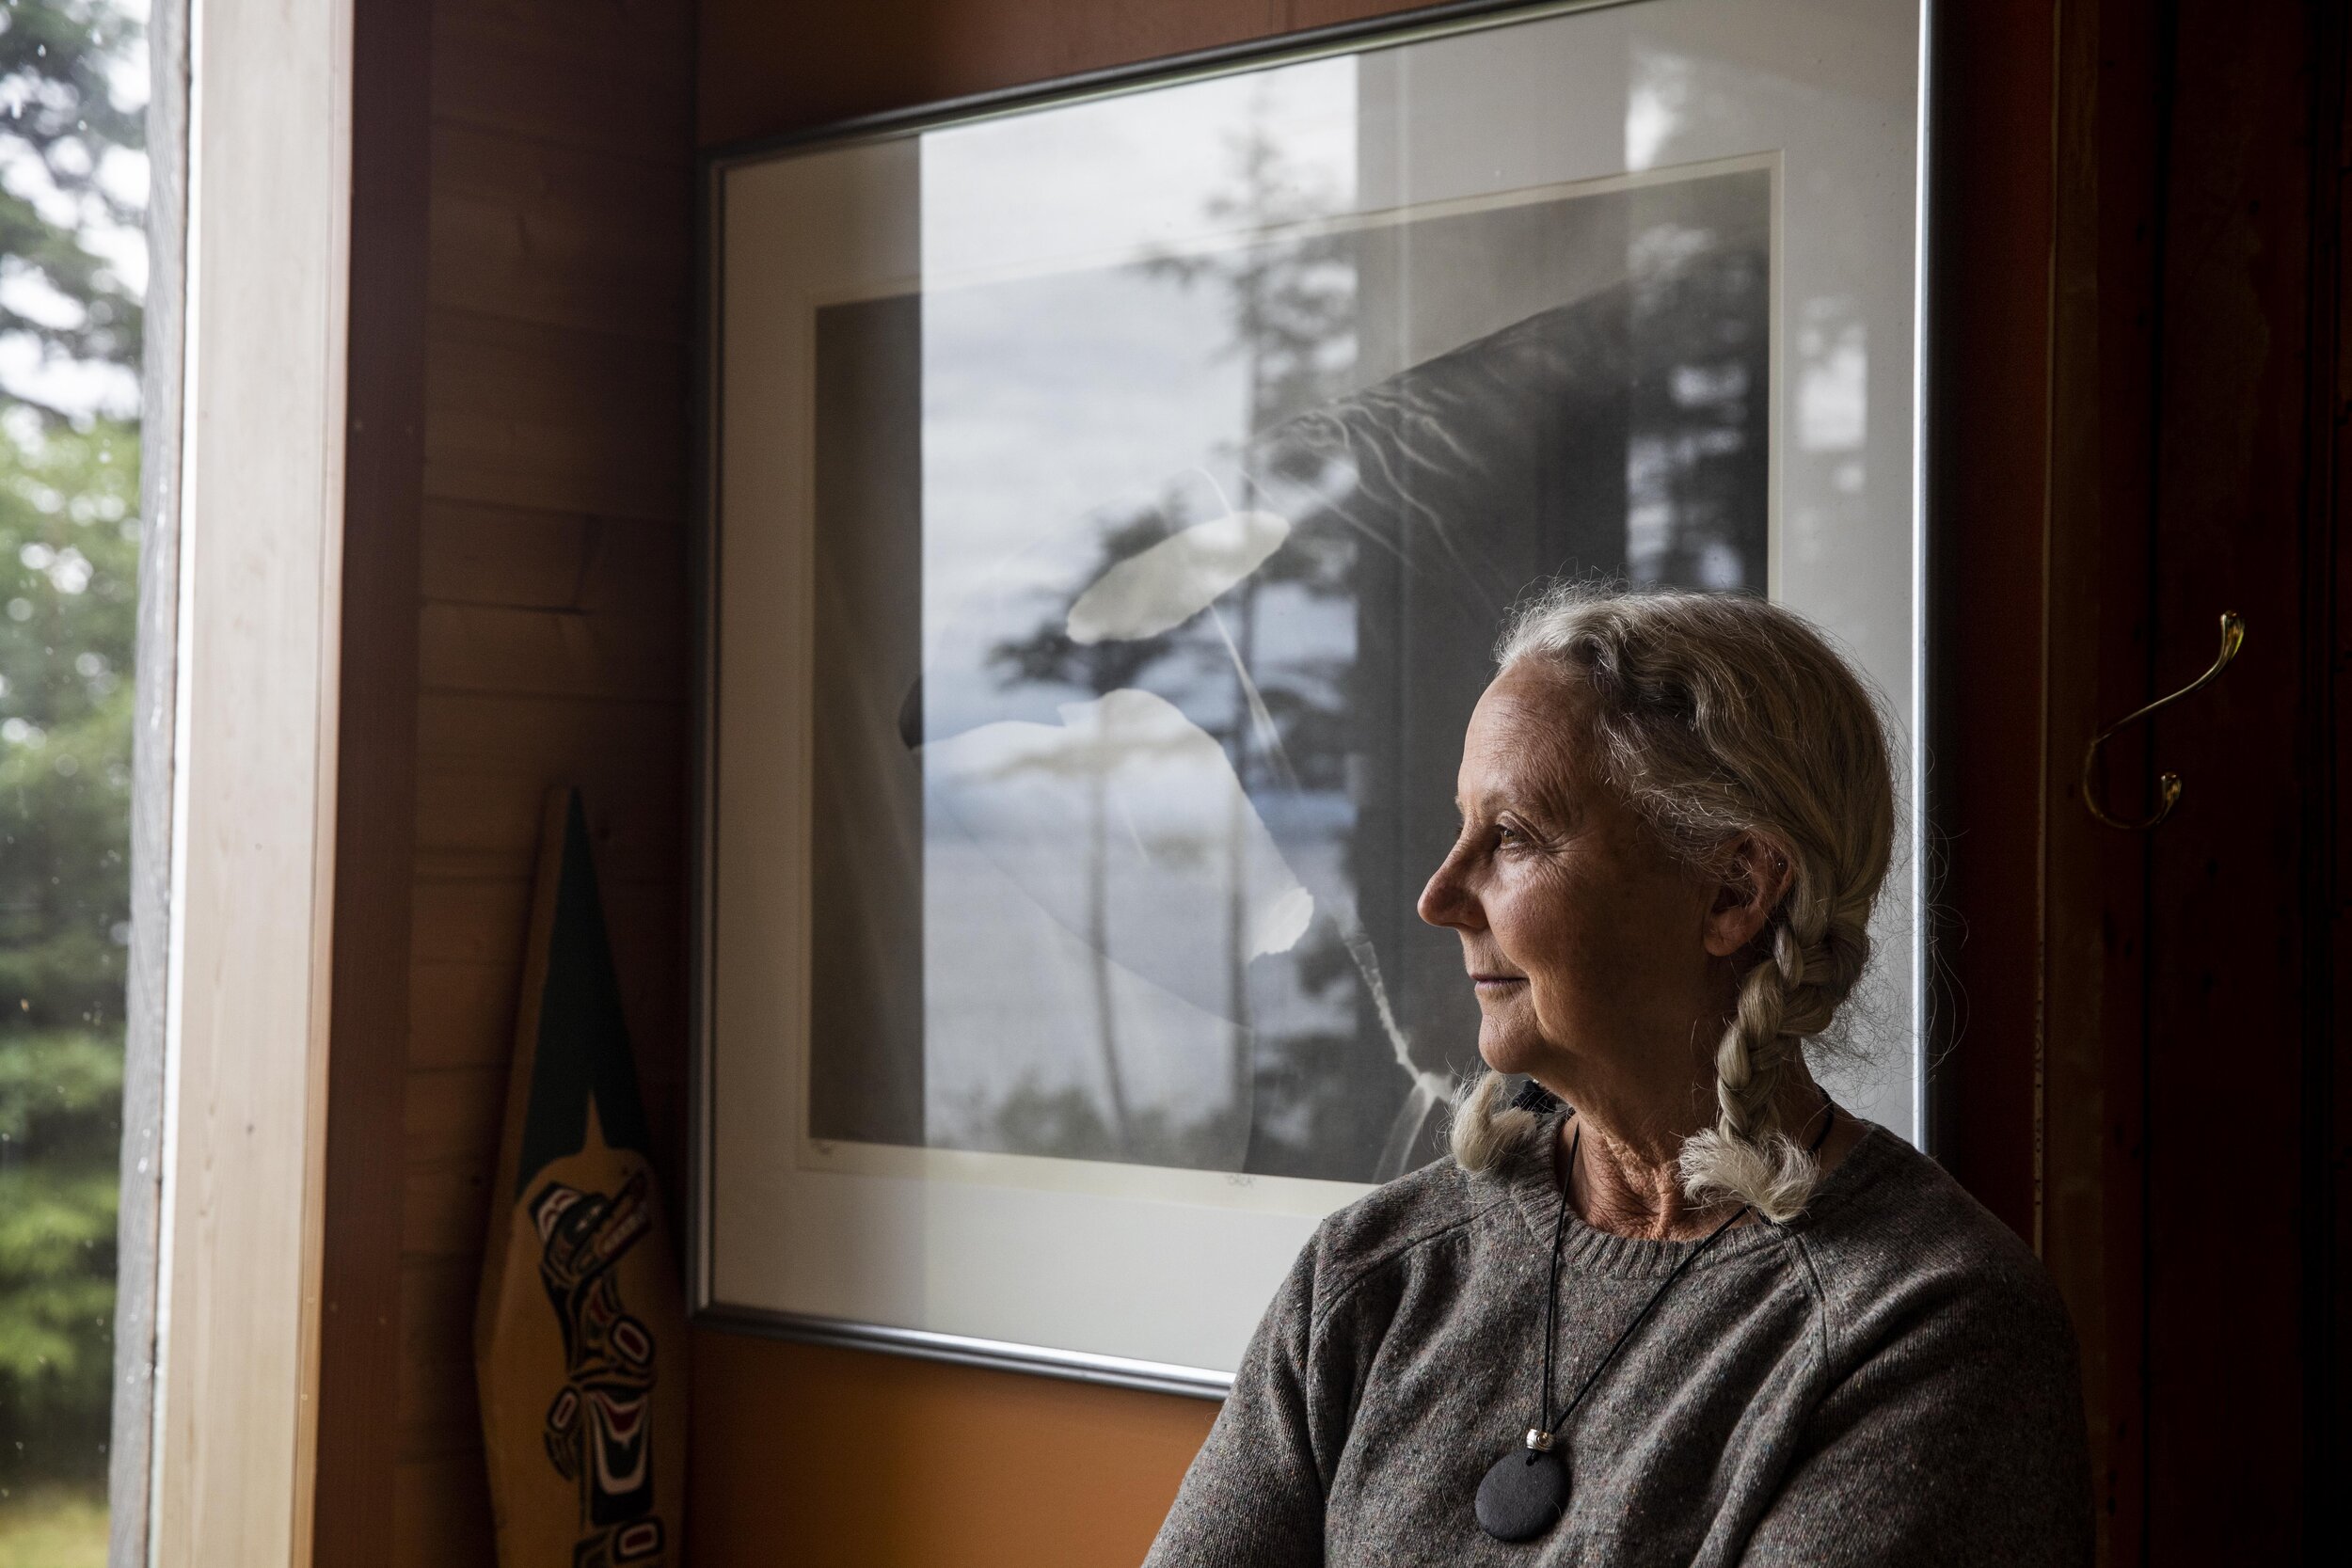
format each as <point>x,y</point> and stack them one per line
<point>1756,874</point>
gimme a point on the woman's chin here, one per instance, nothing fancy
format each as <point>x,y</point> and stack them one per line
<point>1509,1050</point>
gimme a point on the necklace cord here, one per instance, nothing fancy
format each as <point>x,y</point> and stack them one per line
<point>1551,1302</point>
<point>1639,1318</point>
<point>1551,1296</point>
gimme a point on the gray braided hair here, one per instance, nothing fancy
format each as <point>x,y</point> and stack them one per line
<point>1719,716</point>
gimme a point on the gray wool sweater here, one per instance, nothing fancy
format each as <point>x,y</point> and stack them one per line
<point>1888,1379</point>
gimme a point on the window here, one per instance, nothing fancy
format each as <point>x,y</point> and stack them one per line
<point>73,269</point>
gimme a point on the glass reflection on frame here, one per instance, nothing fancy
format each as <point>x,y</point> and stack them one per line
<point>1124,806</point>
<point>1115,499</point>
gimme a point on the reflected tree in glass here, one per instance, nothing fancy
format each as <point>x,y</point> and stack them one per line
<point>1289,307</point>
<point>1149,781</point>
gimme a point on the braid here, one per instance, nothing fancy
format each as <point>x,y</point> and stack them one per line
<point>1485,1125</point>
<point>1790,995</point>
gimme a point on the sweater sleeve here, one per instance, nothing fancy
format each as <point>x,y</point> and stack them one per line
<point>1959,1440</point>
<point>1254,1495</point>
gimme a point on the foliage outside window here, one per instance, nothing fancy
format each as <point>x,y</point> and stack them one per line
<point>73,182</point>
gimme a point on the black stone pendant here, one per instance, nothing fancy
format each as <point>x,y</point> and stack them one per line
<point>1523,1495</point>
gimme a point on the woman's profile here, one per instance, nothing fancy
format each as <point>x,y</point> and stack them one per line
<point>1665,1303</point>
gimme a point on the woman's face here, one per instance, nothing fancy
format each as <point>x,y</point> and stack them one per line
<point>1588,943</point>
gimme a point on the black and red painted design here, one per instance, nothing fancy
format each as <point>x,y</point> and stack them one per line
<point>581,1331</point>
<point>600,1433</point>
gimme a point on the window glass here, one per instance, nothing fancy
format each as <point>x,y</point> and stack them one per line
<point>73,269</point>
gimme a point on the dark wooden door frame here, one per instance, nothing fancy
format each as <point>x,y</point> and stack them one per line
<point>2327,571</point>
<point>2139,400</point>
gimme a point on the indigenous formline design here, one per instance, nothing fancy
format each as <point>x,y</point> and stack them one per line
<point>580,1326</point>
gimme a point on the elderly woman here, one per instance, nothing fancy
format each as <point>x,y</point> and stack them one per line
<point>1667,1303</point>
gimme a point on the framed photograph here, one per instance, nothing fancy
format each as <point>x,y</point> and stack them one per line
<point>1114,493</point>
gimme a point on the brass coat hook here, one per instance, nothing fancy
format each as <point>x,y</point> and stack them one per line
<point>2168,785</point>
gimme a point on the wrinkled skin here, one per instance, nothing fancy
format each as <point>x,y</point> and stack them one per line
<point>1605,967</point>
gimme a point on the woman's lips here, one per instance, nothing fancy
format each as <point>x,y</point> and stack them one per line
<point>1497,981</point>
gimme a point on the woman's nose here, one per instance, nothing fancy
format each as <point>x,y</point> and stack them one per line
<point>1446,901</point>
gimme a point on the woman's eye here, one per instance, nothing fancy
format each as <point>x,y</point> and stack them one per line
<point>1505,833</point>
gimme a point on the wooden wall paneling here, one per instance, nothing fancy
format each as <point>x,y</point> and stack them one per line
<point>438,1414</point>
<point>2227,1001</point>
<point>469,821</point>
<point>460,1014</point>
<point>469,922</point>
<point>529,415</point>
<point>375,810</point>
<point>493,729</point>
<point>526,230</point>
<point>767,69</point>
<point>553,629</point>
<point>565,560</point>
<point>451,1112</point>
<point>1018,1470</point>
<point>484,747</point>
<point>602,78</point>
<point>542,653</point>
<point>443,1506</point>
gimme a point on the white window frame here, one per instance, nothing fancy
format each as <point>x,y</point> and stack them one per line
<point>218,1331</point>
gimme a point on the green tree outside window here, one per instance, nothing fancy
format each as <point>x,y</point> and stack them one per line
<point>71,190</point>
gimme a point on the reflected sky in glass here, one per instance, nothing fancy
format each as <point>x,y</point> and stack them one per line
<point>1221,491</point>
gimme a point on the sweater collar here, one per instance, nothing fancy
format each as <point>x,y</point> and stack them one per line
<point>1534,1190</point>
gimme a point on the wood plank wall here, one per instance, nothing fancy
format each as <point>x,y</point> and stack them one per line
<point>374,782</point>
<point>767,68</point>
<point>554,622</point>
